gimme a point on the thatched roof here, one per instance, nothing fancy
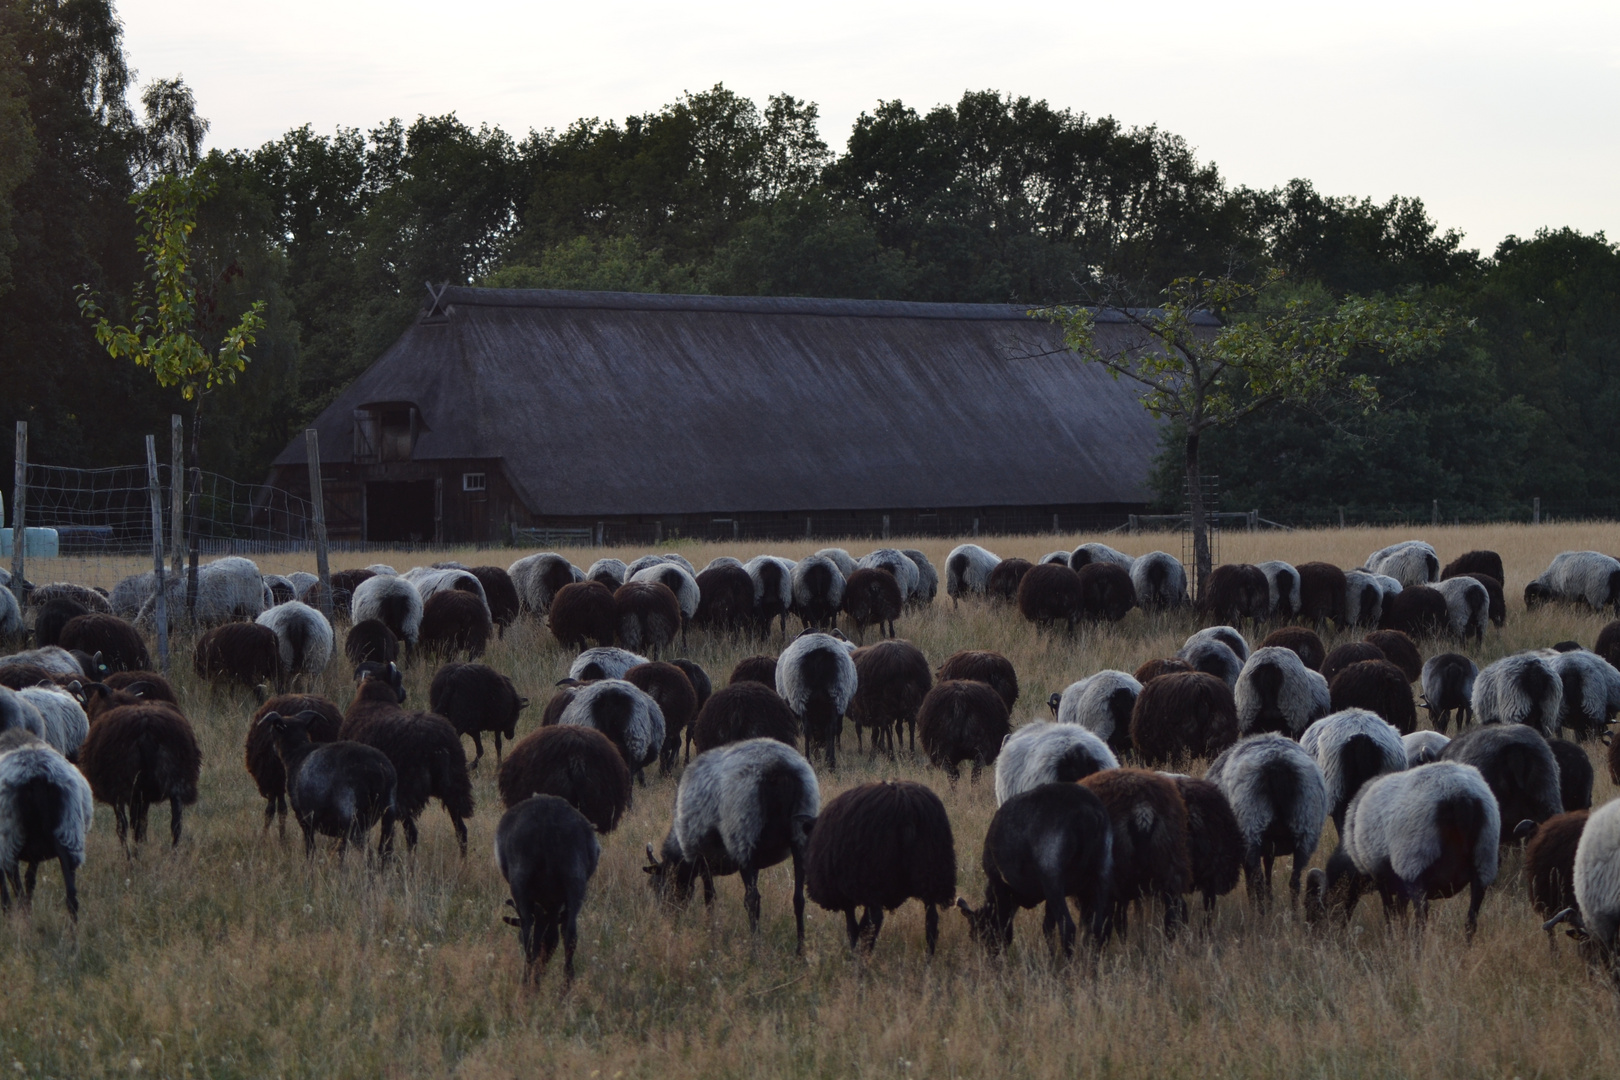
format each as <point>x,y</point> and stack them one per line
<point>620,403</point>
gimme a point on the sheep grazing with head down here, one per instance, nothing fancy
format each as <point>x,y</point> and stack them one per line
<point>371,641</point>
<point>88,598</point>
<point>1575,774</point>
<point>336,788</point>
<point>1607,644</point>
<point>983,665</point>
<point>1591,692</point>
<point>1051,593</point>
<point>898,566</point>
<point>1234,592</point>
<point>1183,715</point>
<point>1276,692</point>
<point>1411,562</point>
<point>579,765</point>
<point>1577,577</point>
<point>1284,582</point>
<point>1363,599</point>
<point>1497,606</point>
<point>670,687</point>
<point>1214,841</point>
<point>609,573</point>
<point>48,623</point>
<point>137,755</point>
<point>1322,590</point>
<point>816,676</point>
<point>742,711</point>
<point>1087,554</point>
<point>1468,607</point>
<point>263,760</point>
<point>1152,669</point>
<point>304,639</point>
<point>53,660</point>
<point>1520,689</point>
<point>739,809</point>
<point>1280,801</point>
<point>476,698</point>
<point>961,720</point>
<point>19,714</point>
<point>1351,652</point>
<point>392,600</point>
<point>1160,581</point>
<point>1213,657</point>
<point>1352,747</point>
<point>927,577</point>
<point>1423,747</point>
<point>1475,562</point>
<point>1518,765</point>
<point>1417,835</point>
<point>538,578</point>
<point>586,611</point>
<point>1419,611</point>
<point>547,852</point>
<point>45,812</point>
<point>344,582</point>
<point>63,720</point>
<point>876,846</point>
<point>818,591</point>
<point>649,614</point>
<point>725,598</point>
<point>623,712</point>
<point>246,654</point>
<point>760,669</point>
<point>1549,861</point>
<point>1106,592</point>
<point>120,647</point>
<point>1302,642</point>
<point>873,598</point>
<point>1226,635</point>
<point>679,581</point>
<point>891,680</point>
<point>773,590</point>
<point>603,663</point>
<point>1061,558</point>
<point>1399,650</point>
<point>1102,704</point>
<point>1149,823</point>
<point>839,558</point>
<point>454,622</point>
<point>1597,889</point>
<point>1377,686</point>
<point>227,589</point>
<point>967,571</point>
<point>1046,753</point>
<point>1046,845</point>
<point>1005,579</point>
<point>1448,689</point>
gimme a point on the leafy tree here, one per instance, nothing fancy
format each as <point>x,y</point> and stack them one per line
<point>17,146</point>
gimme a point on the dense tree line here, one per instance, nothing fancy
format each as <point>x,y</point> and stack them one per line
<point>993,199</point>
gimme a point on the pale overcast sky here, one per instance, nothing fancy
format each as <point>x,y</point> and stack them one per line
<point>1502,117</point>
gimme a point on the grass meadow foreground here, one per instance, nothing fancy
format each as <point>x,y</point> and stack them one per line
<point>233,956</point>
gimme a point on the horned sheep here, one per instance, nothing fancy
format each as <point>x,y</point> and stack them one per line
<point>336,788</point>
<point>1518,765</point>
<point>547,853</point>
<point>262,758</point>
<point>1448,689</point>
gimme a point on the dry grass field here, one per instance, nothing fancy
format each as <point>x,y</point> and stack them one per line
<point>233,956</point>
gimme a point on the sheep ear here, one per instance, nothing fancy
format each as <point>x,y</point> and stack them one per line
<point>1525,829</point>
<point>523,703</point>
<point>961,902</point>
<point>652,860</point>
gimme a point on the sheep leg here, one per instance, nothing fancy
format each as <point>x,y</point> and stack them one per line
<point>70,883</point>
<point>29,879</point>
<point>1476,897</point>
<point>1251,878</point>
<point>497,749</point>
<point>750,880</point>
<point>570,931</point>
<point>408,824</point>
<point>874,920</point>
<point>931,926</point>
<point>1293,880</point>
<point>176,815</point>
<point>5,892</point>
<point>269,815</point>
<point>852,928</point>
<point>708,882</point>
<point>137,816</point>
<point>461,833</point>
<point>385,841</point>
<point>798,898</point>
<point>309,838</point>
<point>478,748</point>
<point>121,825</point>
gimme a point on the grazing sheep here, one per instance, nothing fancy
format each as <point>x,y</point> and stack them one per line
<point>547,853</point>
<point>1549,861</point>
<point>1448,689</point>
<point>1351,652</point>
<point>304,639</point>
<point>609,573</point>
<point>1607,644</point>
<point>337,787</point>
<point>1518,765</point>
<point>1591,692</point>
<point>454,622</point>
<point>873,597</point>
<point>1475,562</point>
<point>586,610</point>
<point>391,600</point>
<point>136,755</point>
<point>1051,592</point>
<point>1417,835</point>
<point>1106,592</point>
<point>246,654</point>
<point>1304,643</point>
<point>476,698</point>
<point>1575,774</point>
<point>760,669</point>
<point>538,578</point>
<point>1061,558</point>
<point>773,589</point>
<point>1045,753</point>
<point>1168,665</point>
<point>278,590</point>
<point>45,811</point>
<point>1234,592</point>
<point>898,566</point>
<point>983,665</point>
<point>1046,845</point>
<point>701,686</point>
<point>818,591</point>
<point>961,720</point>
<point>725,598</point>
<point>1226,635</point>
<point>816,676</point>
<point>1352,747</point>
<point>431,581</point>
<point>1468,607</point>
<point>1275,691</point>
<point>227,589</point>
<point>1284,582</point>
<point>1215,658</point>
<point>839,558</point>
<point>1399,650</point>
<point>1005,579</point>
<point>500,594</point>
<point>1577,576</point>
<point>1420,611</point>
<point>678,581</point>
<point>1410,562</point>
<point>740,809</point>
<point>1423,747</point>
<point>1102,704</point>
<point>579,765</point>
<point>603,663</point>
<point>262,758</point>
<point>1520,689</point>
<point>17,713</point>
<point>48,623</point>
<point>1089,554</point>
<point>891,680</point>
<point>624,713</point>
<point>1280,801</point>
<point>967,571</point>
<point>743,711</point>
<point>147,685</point>
<point>1597,884</point>
<point>649,614</point>
<point>1377,686</point>
<point>65,725</point>
<point>88,598</point>
<point>1150,842</point>
<point>117,642</point>
<point>875,847</point>
<point>11,621</point>
<point>1214,841</point>
<point>1363,599</point>
<point>1183,715</point>
<point>52,659</point>
<point>371,642</point>
<point>668,685</point>
<point>1160,581</point>
<point>1322,593</point>
<point>927,577</point>
<point>1497,606</point>
<point>425,751</point>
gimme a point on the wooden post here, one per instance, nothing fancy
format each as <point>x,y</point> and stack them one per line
<point>1131,523</point>
<point>1434,512</point>
<point>807,533</point>
<point>193,543</point>
<point>155,490</point>
<point>19,503</point>
<point>1341,517</point>
<point>885,526</point>
<point>975,526</point>
<point>177,479</point>
<point>1254,520</point>
<point>317,501</point>
<point>438,509</point>
<point>599,531</point>
<point>658,532</point>
<point>736,529</point>
<point>1535,512</point>
<point>1054,525</point>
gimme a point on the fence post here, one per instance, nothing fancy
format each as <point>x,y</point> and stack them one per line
<point>658,532</point>
<point>1341,517</point>
<point>885,526</point>
<point>317,499</point>
<point>975,526</point>
<point>1535,510</point>
<point>1434,513</point>
<point>599,531</point>
<point>807,533</point>
<point>1254,520</point>
<point>192,505</point>
<point>1131,524</point>
<point>177,474</point>
<point>1054,525</point>
<point>155,490</point>
<point>19,502</point>
<point>438,508</point>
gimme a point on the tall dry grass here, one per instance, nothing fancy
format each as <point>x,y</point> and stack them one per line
<point>233,956</point>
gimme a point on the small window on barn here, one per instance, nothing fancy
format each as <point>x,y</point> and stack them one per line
<point>386,431</point>
<point>472,481</point>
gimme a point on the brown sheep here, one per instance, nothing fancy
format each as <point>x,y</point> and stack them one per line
<point>137,755</point>
<point>1152,669</point>
<point>892,678</point>
<point>961,720</point>
<point>1214,842</point>
<point>585,611</point>
<point>1498,600</point>
<point>1417,612</point>
<point>577,764</point>
<point>1006,579</point>
<point>1400,650</point>
<point>872,598</point>
<point>500,593</point>
<point>1183,715</point>
<point>1321,593</point>
<point>1472,563</point>
<point>1106,592</point>
<point>669,686</point>
<point>760,669</point>
<point>1236,591</point>
<point>983,665</point>
<point>246,654</point>
<point>649,616</point>
<point>120,647</point>
<point>1051,593</point>
<point>1151,858</point>
<point>1377,686</point>
<point>454,621</point>
<point>1549,862</point>
<point>1304,643</point>
<point>725,598</point>
<point>745,710</point>
<point>1351,652</point>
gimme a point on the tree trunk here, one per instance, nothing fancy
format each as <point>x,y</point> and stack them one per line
<point>1197,519</point>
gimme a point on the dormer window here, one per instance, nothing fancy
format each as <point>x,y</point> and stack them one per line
<point>386,432</point>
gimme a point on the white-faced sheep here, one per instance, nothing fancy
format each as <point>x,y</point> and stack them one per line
<point>818,591</point>
<point>607,572</point>
<point>1411,562</point>
<point>1448,689</point>
<point>875,847</point>
<point>1417,835</point>
<point>773,589</point>
<point>739,809</point>
<point>65,723</point>
<point>1591,692</point>
<point>1352,747</point>
<point>137,755</point>
<point>1275,691</point>
<point>547,852</point>
<point>603,663</point>
<point>1468,607</point>
<point>1086,554</point>
<point>1102,704</point>
<point>927,576</point>
<point>1520,689</point>
<point>1283,580</point>
<point>393,601</point>
<point>1423,747</point>
<point>1518,765</point>
<point>538,577</point>
<point>1045,846</point>
<point>961,720</point>
<point>816,676</point>
<point>1046,753</point>
<point>1160,581</point>
<point>476,698</point>
<point>967,571</point>
<point>1280,801</point>
<point>623,712</point>
<point>339,788</point>
<point>304,638</point>
<point>45,811</point>
<point>1577,577</point>
<point>1150,842</point>
<point>579,765</point>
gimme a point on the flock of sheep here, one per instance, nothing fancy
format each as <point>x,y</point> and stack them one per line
<point>1296,734</point>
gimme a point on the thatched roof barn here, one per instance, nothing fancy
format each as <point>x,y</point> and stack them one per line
<point>644,415</point>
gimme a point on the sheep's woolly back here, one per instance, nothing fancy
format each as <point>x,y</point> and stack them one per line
<point>538,577</point>
<point>614,569</point>
<point>1046,753</point>
<point>804,589</point>
<point>20,767</point>
<point>927,576</point>
<point>436,579</point>
<point>1284,582</point>
<point>1391,821</point>
<point>227,589</point>
<point>611,662</point>
<point>784,580</point>
<point>1363,599</point>
<point>1468,605</point>
<point>1244,773</point>
<point>720,793</point>
<point>1597,873</point>
<point>792,685</point>
<point>1059,557</point>
<point>1159,579</point>
<point>1099,553</point>
<point>675,578</point>
<point>1213,656</point>
<point>1229,636</point>
<point>1599,683</point>
<point>299,625</point>
<point>53,658</point>
<point>723,560</point>
<point>968,568</point>
<point>1520,689</point>
<point>643,733</point>
<point>62,716</point>
<point>901,568</point>
<point>11,624</point>
<point>1302,694</point>
<point>1448,676</point>
<point>1087,703</point>
<point>1423,746</point>
<point>1410,562</point>
<point>1581,575</point>
<point>377,594</point>
<point>18,713</point>
<point>1519,764</point>
<point>1326,740</point>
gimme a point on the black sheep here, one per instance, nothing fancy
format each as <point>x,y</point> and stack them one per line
<point>370,640</point>
<point>725,598</point>
<point>1607,644</point>
<point>1498,599</point>
<point>875,847</point>
<point>745,710</point>
<point>892,678</point>
<point>1214,841</point>
<point>1006,579</point>
<point>452,622</point>
<point>583,611</point>
<point>344,582</point>
<point>1518,765</point>
<point>577,764</point>
<point>1234,592</point>
<point>53,617</point>
<point>701,684</point>
<point>872,598</point>
<point>147,685</point>
<point>983,665</point>
<point>961,720</point>
<point>1304,644</point>
<point>424,749</point>
<point>1045,845</point>
<point>1419,611</point>
<point>1400,650</point>
<point>1471,563</point>
<point>1321,593</point>
<point>1183,715</point>
<point>547,854</point>
<point>1377,686</point>
<point>760,669</point>
<point>339,788</point>
<point>1150,841</point>
<point>1106,592</point>
<point>669,686</point>
<point>137,755</point>
<point>501,595</point>
<point>117,642</point>
<point>246,654</point>
<point>649,616</point>
<point>1575,774</point>
<point>476,698</point>
<point>264,761</point>
<point>1351,652</point>
<point>1051,593</point>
